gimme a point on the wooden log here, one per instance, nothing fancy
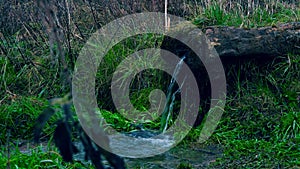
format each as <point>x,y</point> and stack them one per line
<point>232,43</point>
<point>255,43</point>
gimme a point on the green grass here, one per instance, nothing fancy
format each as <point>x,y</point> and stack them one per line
<point>18,117</point>
<point>37,157</point>
<point>256,15</point>
<point>143,81</point>
<point>260,125</point>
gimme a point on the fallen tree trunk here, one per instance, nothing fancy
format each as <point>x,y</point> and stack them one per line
<point>241,43</point>
<point>262,42</point>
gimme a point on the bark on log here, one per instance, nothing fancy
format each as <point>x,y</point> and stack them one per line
<point>262,42</point>
<point>265,42</point>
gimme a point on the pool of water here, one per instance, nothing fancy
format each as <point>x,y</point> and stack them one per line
<point>196,155</point>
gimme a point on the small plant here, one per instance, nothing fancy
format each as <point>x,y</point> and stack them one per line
<point>290,126</point>
<point>184,166</point>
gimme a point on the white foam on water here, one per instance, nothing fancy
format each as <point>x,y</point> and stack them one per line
<point>131,147</point>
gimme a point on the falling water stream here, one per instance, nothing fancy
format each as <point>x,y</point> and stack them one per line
<point>170,100</point>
